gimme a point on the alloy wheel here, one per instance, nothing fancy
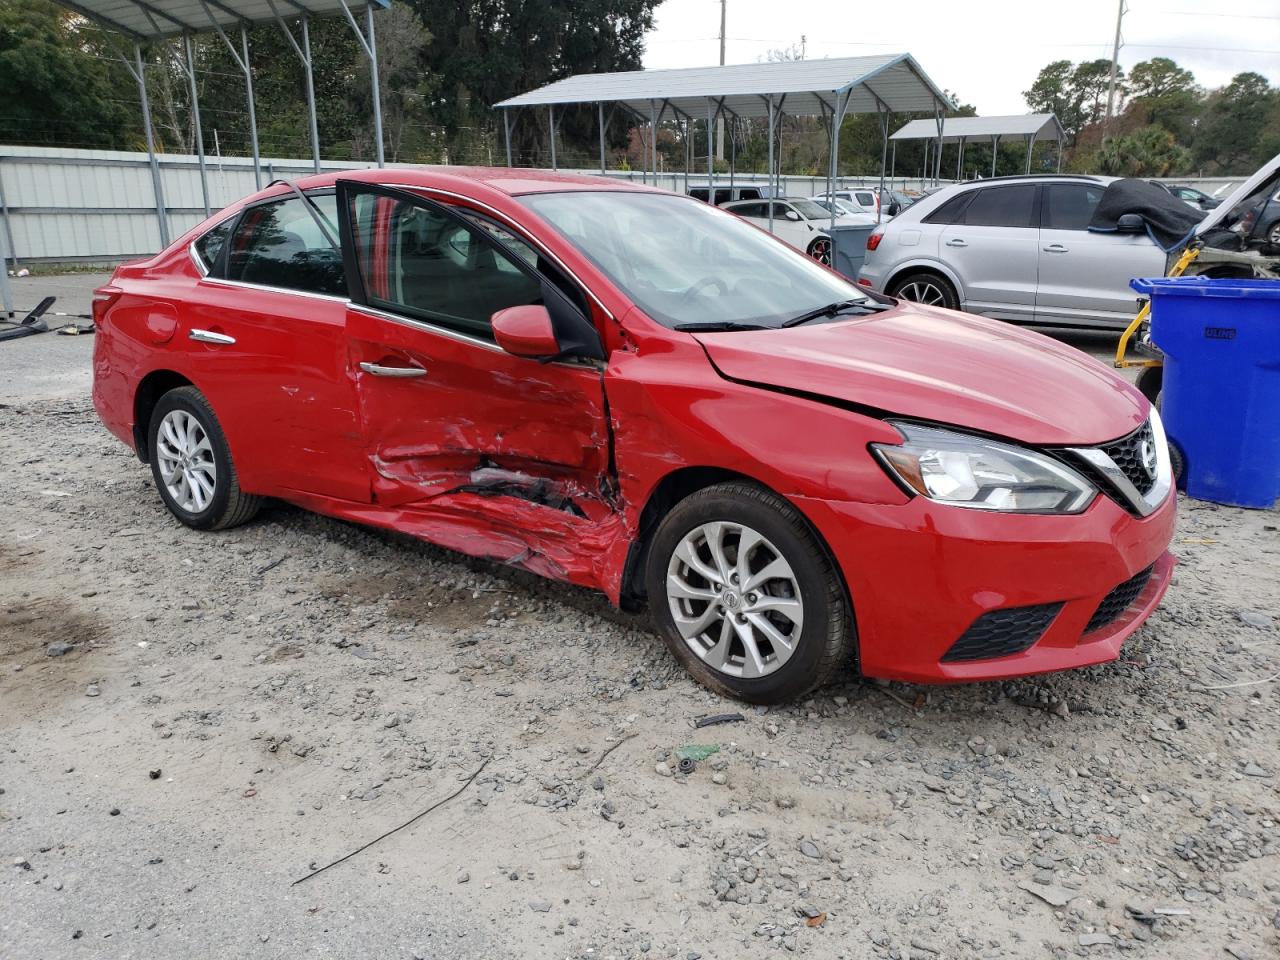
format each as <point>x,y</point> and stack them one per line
<point>185,458</point>
<point>1274,236</point>
<point>735,599</point>
<point>923,291</point>
<point>820,250</point>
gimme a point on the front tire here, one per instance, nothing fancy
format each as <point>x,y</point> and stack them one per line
<point>745,596</point>
<point>192,465</point>
<point>927,288</point>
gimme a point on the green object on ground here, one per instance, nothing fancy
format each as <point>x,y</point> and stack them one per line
<point>697,751</point>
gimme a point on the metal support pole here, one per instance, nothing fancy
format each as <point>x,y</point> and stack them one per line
<point>711,153</point>
<point>688,151</point>
<point>600,118</point>
<point>253,114</point>
<point>1059,155</point>
<point>995,152</point>
<point>311,95</point>
<point>1031,140</point>
<point>373,80</point>
<point>551,115</point>
<point>731,126</point>
<point>653,139</point>
<point>506,128</point>
<point>8,231</point>
<point>6,294</point>
<point>6,254</point>
<point>884,148</point>
<point>769,171</point>
<point>195,117</point>
<point>157,188</point>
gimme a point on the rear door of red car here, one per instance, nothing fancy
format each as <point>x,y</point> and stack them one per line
<point>453,425</point>
<point>267,344</point>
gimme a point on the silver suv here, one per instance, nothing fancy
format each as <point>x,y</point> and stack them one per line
<point>1014,248</point>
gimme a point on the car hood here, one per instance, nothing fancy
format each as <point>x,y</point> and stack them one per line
<point>1268,171</point>
<point>938,365</point>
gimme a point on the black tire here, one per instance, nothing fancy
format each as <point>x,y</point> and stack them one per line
<point>820,250</point>
<point>1150,383</point>
<point>229,506</point>
<point>912,285</point>
<point>826,635</point>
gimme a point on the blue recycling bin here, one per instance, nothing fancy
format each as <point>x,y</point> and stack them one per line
<point>1221,405</point>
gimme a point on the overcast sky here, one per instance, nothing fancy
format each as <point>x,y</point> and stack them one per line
<point>987,51</point>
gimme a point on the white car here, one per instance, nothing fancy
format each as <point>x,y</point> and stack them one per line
<point>844,208</point>
<point>796,220</point>
<point>864,198</point>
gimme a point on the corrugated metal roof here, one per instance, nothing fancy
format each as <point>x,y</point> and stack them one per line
<point>1044,126</point>
<point>153,19</point>
<point>809,86</point>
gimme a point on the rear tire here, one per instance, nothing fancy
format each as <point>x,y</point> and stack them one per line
<point>927,288</point>
<point>192,465</point>
<point>820,250</point>
<point>766,625</point>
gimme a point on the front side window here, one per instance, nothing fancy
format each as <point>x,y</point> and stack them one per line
<point>421,262</point>
<point>686,262</point>
<point>279,244</point>
<point>1011,206</point>
<point>1070,206</point>
<point>209,246</point>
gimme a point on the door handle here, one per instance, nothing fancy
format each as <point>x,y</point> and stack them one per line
<point>957,243</point>
<point>402,372</point>
<point>1055,248</point>
<point>209,336</point>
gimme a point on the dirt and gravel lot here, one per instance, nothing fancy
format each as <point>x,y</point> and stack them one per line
<point>190,723</point>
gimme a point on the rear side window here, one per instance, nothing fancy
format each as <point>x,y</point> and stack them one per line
<point>1070,206</point>
<point>280,245</point>
<point>723,196</point>
<point>1011,206</point>
<point>698,193</point>
<point>952,211</point>
<point>751,210</point>
<point>417,261</point>
<point>747,194</point>
<point>210,245</point>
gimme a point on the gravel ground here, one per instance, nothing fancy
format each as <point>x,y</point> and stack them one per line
<point>190,723</point>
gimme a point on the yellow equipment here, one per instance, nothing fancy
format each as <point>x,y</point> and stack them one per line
<point>1144,316</point>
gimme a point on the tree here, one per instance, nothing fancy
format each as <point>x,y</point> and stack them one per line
<point>1234,129</point>
<point>1166,95</point>
<point>1159,77</point>
<point>1149,152</point>
<point>1076,93</point>
<point>61,86</point>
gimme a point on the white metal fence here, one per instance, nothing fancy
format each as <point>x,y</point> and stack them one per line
<point>99,206</point>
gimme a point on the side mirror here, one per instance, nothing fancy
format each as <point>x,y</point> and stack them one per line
<point>792,216</point>
<point>1131,223</point>
<point>526,332</point>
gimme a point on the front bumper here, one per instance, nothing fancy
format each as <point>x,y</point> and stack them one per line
<point>920,574</point>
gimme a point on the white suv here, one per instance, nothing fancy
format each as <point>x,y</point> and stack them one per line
<point>1014,248</point>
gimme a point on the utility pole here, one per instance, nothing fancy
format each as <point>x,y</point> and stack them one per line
<point>1115,64</point>
<point>720,120</point>
<point>802,45</point>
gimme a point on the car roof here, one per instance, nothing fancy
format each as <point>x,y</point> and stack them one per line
<point>513,181</point>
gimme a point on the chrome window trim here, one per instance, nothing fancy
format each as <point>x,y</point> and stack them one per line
<point>424,325</point>
<point>331,297</point>
<point>1143,505</point>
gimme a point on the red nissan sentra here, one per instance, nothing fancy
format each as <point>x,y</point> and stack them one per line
<point>640,393</point>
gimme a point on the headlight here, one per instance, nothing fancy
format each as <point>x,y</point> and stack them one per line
<point>968,471</point>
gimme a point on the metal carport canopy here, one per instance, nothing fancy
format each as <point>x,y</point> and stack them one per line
<point>158,19</point>
<point>1029,127</point>
<point>892,82</point>
<point>1042,126</point>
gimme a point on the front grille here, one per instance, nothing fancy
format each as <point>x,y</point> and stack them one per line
<point>1118,601</point>
<point>1002,633</point>
<point>1127,454</point>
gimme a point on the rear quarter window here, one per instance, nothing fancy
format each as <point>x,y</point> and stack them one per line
<point>209,246</point>
<point>952,211</point>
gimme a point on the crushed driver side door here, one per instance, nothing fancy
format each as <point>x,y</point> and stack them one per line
<point>470,447</point>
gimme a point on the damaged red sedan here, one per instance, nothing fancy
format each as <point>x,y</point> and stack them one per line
<point>640,393</point>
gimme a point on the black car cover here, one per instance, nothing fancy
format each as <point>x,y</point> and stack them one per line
<point>1169,221</point>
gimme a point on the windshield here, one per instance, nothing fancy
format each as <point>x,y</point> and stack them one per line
<point>839,207</point>
<point>810,210</point>
<point>682,261</point>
